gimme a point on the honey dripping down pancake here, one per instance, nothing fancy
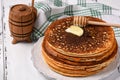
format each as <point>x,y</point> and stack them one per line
<point>72,55</point>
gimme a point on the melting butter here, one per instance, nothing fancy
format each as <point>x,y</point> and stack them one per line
<point>76,30</point>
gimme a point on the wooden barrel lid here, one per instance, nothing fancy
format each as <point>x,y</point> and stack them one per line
<point>21,12</point>
<point>22,9</point>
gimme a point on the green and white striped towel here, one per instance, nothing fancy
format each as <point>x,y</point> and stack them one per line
<point>51,10</point>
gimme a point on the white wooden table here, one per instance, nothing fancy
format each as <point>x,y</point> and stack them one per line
<point>15,60</point>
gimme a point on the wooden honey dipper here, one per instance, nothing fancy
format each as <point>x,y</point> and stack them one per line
<point>83,21</point>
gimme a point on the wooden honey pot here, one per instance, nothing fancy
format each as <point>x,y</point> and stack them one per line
<point>21,22</point>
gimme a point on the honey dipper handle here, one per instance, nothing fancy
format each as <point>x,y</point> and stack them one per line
<point>32,3</point>
<point>103,24</point>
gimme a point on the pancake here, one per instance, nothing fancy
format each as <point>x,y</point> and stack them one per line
<point>72,55</point>
<point>76,70</point>
<point>63,72</point>
<point>79,65</point>
<point>78,59</point>
<point>95,40</point>
<point>85,63</point>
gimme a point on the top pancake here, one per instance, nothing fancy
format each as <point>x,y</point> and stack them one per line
<point>95,40</point>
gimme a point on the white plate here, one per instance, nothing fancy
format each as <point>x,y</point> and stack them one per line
<point>109,73</point>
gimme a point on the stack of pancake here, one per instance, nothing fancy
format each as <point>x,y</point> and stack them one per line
<point>72,55</point>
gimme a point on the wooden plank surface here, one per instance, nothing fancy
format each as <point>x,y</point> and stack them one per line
<point>15,60</point>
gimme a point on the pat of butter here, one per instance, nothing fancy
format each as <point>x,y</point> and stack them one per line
<point>76,30</point>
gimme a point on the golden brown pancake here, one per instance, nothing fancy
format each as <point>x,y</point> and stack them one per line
<point>85,63</point>
<point>72,55</point>
<point>71,70</point>
<point>67,64</point>
<point>67,73</point>
<point>95,40</point>
<point>78,59</point>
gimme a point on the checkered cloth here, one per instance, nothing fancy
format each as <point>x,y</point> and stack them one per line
<point>50,10</point>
